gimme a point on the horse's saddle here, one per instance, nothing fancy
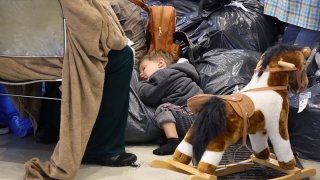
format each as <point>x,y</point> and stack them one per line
<point>33,28</point>
<point>241,103</point>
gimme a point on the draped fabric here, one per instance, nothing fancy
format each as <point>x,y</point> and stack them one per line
<point>92,31</point>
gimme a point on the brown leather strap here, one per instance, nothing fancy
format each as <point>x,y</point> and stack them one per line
<point>245,126</point>
<point>280,69</point>
<point>141,3</point>
<point>274,88</point>
<point>245,114</point>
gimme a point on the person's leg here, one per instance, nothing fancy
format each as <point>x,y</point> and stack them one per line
<point>169,129</point>
<point>49,120</point>
<point>166,121</point>
<point>107,140</point>
<point>181,122</point>
<point>290,34</point>
<point>307,37</point>
<point>172,142</point>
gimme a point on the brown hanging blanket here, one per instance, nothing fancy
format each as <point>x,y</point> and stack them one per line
<point>92,31</point>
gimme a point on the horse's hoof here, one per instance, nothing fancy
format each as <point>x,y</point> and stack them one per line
<point>206,168</point>
<point>180,157</point>
<point>289,165</point>
<point>263,154</point>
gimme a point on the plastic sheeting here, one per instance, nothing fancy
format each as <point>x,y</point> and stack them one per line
<point>6,107</point>
<point>314,65</point>
<point>238,25</point>
<point>140,126</point>
<point>132,23</point>
<point>222,71</point>
<point>9,116</point>
<point>304,127</point>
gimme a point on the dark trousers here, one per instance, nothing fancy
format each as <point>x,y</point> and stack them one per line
<point>300,36</point>
<point>108,134</point>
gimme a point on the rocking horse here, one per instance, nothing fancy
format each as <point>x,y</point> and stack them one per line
<point>260,109</point>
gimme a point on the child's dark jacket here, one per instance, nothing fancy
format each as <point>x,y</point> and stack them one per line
<point>174,84</point>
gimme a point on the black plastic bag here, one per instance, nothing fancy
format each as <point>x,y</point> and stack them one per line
<point>314,65</point>
<point>226,26</point>
<point>222,71</point>
<point>238,25</point>
<point>304,127</point>
<point>140,126</point>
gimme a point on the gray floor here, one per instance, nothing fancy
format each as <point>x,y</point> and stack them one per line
<point>14,151</point>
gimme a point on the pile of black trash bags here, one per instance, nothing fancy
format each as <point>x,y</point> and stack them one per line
<point>227,42</point>
<point>228,39</point>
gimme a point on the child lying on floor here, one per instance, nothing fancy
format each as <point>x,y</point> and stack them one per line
<point>167,86</point>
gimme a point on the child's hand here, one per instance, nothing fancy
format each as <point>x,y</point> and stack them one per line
<point>143,77</point>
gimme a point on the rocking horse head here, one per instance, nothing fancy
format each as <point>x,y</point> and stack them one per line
<point>286,65</point>
<point>260,109</point>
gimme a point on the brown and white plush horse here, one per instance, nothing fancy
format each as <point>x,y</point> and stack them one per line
<point>259,109</point>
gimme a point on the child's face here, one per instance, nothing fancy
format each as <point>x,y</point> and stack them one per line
<point>147,68</point>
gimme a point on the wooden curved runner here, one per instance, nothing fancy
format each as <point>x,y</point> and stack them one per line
<point>296,173</point>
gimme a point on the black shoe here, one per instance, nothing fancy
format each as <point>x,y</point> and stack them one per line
<point>124,159</point>
<point>4,129</point>
<point>168,148</point>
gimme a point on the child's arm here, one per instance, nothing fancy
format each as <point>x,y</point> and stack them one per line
<point>151,92</point>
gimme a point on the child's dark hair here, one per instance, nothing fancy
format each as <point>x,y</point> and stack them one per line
<point>168,57</point>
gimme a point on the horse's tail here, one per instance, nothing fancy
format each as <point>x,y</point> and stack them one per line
<point>209,123</point>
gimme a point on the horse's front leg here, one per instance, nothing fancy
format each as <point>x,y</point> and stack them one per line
<point>279,138</point>
<point>212,156</point>
<point>259,143</point>
<point>184,152</point>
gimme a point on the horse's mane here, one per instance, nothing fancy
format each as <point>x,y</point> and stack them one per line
<point>275,50</point>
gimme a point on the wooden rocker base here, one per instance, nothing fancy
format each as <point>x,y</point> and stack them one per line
<point>295,173</point>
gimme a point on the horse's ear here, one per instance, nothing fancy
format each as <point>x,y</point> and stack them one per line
<point>306,51</point>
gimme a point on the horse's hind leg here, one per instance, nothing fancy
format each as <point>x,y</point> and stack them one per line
<point>184,151</point>
<point>282,149</point>
<point>259,143</point>
<point>213,154</point>
<point>210,161</point>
